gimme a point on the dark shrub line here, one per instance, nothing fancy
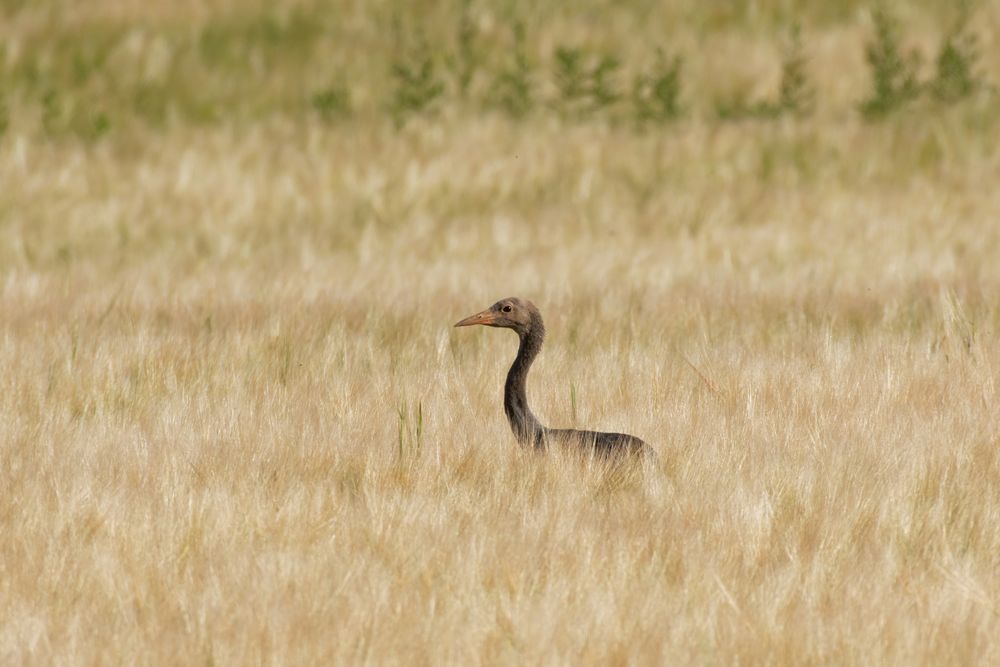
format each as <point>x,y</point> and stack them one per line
<point>574,82</point>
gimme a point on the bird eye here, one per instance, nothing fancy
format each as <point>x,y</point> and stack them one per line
<point>506,308</point>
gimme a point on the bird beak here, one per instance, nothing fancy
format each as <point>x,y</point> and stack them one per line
<point>487,317</point>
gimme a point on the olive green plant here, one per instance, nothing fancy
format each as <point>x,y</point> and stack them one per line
<point>957,75</point>
<point>656,93</point>
<point>513,91</point>
<point>893,73</point>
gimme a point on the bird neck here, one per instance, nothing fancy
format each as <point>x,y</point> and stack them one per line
<point>523,422</point>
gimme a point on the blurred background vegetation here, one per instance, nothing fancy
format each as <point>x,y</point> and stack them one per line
<point>111,67</point>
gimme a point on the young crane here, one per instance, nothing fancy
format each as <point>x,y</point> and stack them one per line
<point>523,317</point>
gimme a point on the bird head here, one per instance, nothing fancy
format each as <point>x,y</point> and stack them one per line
<point>510,313</point>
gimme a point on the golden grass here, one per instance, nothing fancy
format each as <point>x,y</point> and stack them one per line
<point>211,341</point>
<point>206,343</point>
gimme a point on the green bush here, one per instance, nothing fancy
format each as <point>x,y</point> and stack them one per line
<point>416,84</point>
<point>894,76</point>
<point>513,89</point>
<point>656,95</point>
<point>466,59</point>
<point>332,102</point>
<point>955,66</point>
<point>586,83</point>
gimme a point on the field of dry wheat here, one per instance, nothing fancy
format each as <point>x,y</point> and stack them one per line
<point>237,426</point>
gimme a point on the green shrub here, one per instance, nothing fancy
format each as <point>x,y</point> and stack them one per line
<point>955,66</point>
<point>416,84</point>
<point>513,89</point>
<point>570,78</point>
<point>601,83</point>
<point>332,102</point>
<point>466,59</point>
<point>93,126</point>
<point>586,84</point>
<point>894,77</point>
<point>656,95</point>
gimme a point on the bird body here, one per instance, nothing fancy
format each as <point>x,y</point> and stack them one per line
<point>524,318</point>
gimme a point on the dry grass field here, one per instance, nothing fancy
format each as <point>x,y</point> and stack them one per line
<point>237,427</point>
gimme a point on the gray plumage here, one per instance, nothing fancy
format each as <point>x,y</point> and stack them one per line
<point>523,317</point>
